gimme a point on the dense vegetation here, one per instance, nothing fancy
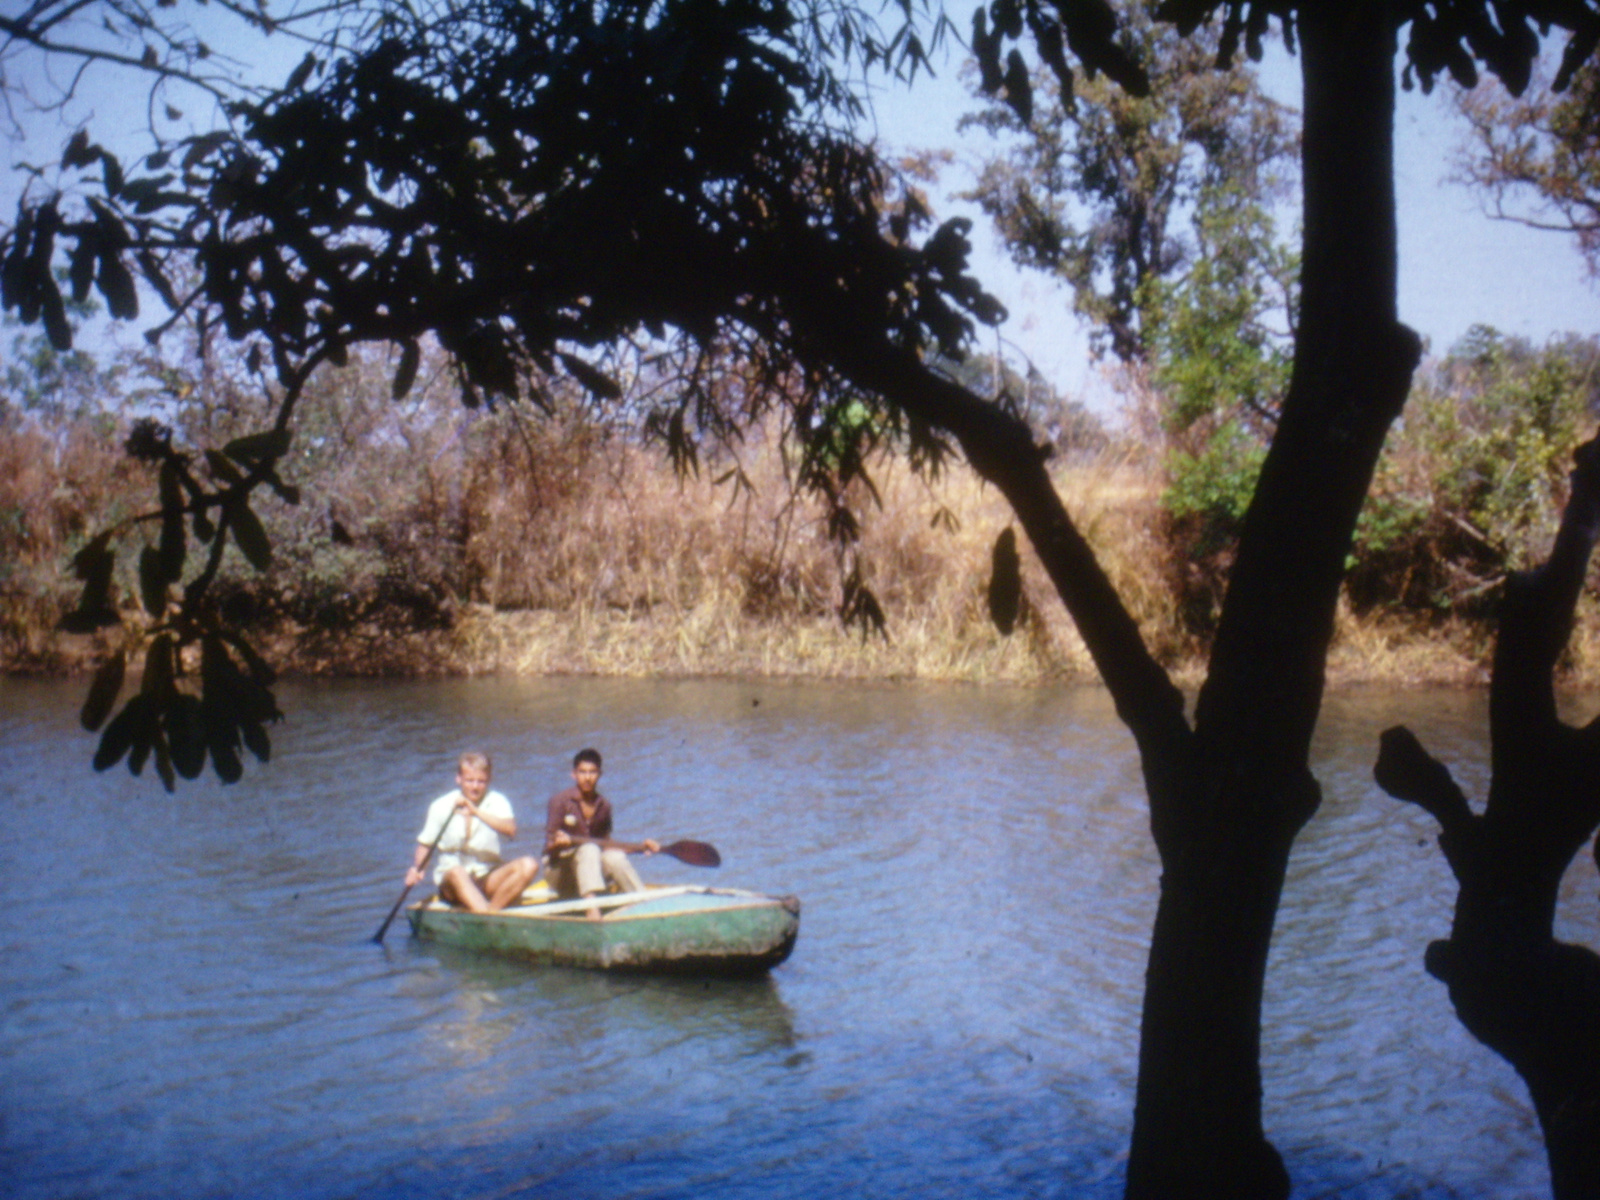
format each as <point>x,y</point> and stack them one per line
<point>446,540</point>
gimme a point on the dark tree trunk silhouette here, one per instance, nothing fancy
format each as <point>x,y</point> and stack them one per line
<point>1531,999</point>
<point>1226,812</point>
<point>1230,791</point>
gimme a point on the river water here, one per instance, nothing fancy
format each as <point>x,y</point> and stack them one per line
<point>191,1004</point>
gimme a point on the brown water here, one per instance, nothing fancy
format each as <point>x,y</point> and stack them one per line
<point>190,1004</point>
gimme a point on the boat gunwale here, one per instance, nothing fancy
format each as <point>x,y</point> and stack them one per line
<point>620,904</point>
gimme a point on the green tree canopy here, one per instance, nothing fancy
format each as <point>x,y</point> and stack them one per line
<point>1122,196</point>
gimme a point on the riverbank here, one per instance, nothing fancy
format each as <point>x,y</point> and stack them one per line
<point>544,568</point>
<point>711,643</point>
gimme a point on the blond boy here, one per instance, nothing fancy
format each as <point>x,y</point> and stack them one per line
<point>467,825</point>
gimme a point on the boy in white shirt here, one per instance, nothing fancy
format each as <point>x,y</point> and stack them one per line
<point>467,825</point>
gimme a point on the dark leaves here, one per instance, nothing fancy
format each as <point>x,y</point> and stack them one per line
<point>986,47</point>
<point>152,582</point>
<point>255,448</point>
<point>103,691</point>
<point>237,707</point>
<point>1005,583</point>
<point>222,470</point>
<point>27,279</point>
<point>93,565</point>
<point>249,534</point>
<point>595,380</point>
<point>131,725</point>
<point>149,441</point>
<point>53,314</point>
<point>116,284</point>
<point>79,153</point>
<point>173,540</point>
<point>81,265</point>
<point>860,609</point>
<point>176,729</point>
<point>1504,37</point>
<point>1091,28</point>
<point>406,373</point>
<point>301,73</point>
<point>186,735</point>
<point>1019,87</point>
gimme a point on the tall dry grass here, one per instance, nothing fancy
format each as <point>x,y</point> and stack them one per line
<point>55,484</point>
<point>625,568</point>
<point>435,542</point>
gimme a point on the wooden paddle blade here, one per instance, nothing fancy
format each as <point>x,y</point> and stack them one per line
<point>696,854</point>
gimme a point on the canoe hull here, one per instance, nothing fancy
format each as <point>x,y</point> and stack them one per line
<point>692,931</point>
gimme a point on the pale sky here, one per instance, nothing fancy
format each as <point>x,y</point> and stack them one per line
<point>1458,267</point>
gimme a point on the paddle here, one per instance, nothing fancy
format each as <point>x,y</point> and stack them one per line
<point>384,928</point>
<point>696,854</point>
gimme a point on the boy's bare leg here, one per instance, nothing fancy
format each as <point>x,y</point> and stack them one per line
<point>460,888</point>
<point>508,881</point>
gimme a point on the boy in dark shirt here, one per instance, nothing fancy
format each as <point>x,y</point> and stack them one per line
<point>578,827</point>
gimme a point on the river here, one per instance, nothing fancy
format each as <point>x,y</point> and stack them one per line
<point>191,1003</point>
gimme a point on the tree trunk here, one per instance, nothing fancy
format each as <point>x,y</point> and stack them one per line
<point>1225,822</point>
<point>1531,999</point>
<point>1228,794</point>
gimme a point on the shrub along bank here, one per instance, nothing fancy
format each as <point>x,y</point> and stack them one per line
<point>433,539</point>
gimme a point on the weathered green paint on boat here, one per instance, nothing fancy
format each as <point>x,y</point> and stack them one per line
<point>694,930</point>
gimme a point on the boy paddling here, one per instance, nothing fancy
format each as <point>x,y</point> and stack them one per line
<point>468,824</point>
<point>579,866</point>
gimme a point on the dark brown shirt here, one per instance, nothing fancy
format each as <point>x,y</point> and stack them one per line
<point>566,813</point>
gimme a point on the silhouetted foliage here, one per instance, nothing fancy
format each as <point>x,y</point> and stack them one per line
<point>527,185</point>
<point>540,185</point>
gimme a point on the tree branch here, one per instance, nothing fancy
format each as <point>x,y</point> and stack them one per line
<point>1000,448</point>
<point>1408,772</point>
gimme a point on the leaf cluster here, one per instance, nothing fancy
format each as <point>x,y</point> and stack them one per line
<point>1111,192</point>
<point>619,194</point>
<point>166,720</point>
<point>1444,35</point>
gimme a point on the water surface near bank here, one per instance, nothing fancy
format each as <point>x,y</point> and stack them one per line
<point>190,1003</point>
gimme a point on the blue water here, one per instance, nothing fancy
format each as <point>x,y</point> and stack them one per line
<point>191,1004</point>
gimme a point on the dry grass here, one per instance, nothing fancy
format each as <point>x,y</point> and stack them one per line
<point>571,555</point>
<point>646,574</point>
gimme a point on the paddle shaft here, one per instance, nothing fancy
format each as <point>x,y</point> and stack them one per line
<point>384,928</point>
<point>699,854</point>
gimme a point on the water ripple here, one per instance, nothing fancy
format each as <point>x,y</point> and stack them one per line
<point>196,1008</point>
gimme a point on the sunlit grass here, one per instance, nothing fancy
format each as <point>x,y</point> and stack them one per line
<point>563,556</point>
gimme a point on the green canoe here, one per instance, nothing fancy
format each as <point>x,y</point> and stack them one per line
<point>678,929</point>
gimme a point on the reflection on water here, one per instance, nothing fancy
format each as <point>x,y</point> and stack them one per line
<point>190,1003</point>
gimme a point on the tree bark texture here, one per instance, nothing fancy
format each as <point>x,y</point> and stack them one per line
<point>1531,999</point>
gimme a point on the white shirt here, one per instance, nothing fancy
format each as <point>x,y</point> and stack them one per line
<point>479,851</point>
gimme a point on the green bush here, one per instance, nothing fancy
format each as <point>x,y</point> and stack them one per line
<point>1474,476</point>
